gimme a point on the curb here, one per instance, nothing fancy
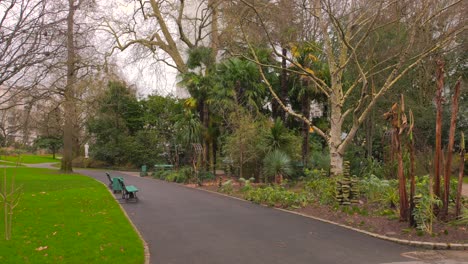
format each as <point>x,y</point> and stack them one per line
<point>145,245</point>
<point>419,244</point>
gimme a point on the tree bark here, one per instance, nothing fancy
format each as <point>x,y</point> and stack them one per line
<point>401,179</point>
<point>305,130</point>
<point>336,122</point>
<point>66,165</point>
<point>448,164</point>
<point>438,143</point>
<point>284,83</point>
<point>412,221</point>
<point>460,176</point>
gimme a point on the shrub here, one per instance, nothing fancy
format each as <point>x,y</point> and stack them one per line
<point>277,196</point>
<point>423,212</point>
<point>321,189</point>
<point>276,164</point>
<point>384,192</point>
<point>172,176</point>
<point>226,187</point>
<point>204,176</point>
<point>247,184</point>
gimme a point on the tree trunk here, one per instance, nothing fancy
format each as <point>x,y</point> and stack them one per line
<point>448,164</point>
<point>438,143</point>
<point>336,122</point>
<point>284,83</point>
<point>460,176</point>
<point>66,165</point>
<point>369,133</point>
<point>412,184</point>
<point>305,130</point>
<point>401,179</point>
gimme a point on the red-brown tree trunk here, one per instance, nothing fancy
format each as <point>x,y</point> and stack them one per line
<point>438,143</point>
<point>448,164</point>
<point>401,179</point>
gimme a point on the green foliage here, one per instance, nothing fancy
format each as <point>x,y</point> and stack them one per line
<point>278,137</point>
<point>241,146</point>
<point>383,192</point>
<point>246,184</point>
<point>424,212</point>
<point>204,176</point>
<point>276,163</point>
<point>372,166</point>
<point>320,188</point>
<point>319,160</point>
<point>277,196</point>
<point>49,142</point>
<point>463,220</point>
<point>226,187</point>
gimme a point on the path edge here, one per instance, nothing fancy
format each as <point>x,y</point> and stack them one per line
<point>419,244</point>
<point>146,251</point>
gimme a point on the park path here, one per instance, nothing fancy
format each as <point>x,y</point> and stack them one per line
<point>189,226</point>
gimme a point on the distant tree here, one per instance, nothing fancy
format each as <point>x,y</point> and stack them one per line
<point>49,142</point>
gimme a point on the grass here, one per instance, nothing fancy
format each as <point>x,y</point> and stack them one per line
<point>74,216</point>
<point>30,159</point>
<point>9,163</point>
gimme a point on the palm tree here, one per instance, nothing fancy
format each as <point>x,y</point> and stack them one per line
<point>199,80</point>
<point>305,55</point>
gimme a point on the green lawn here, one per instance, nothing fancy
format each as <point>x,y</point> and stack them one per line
<point>8,163</point>
<point>74,216</point>
<point>30,159</point>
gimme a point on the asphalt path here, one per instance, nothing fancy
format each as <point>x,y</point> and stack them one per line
<point>190,226</point>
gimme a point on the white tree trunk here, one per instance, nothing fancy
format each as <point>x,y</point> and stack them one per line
<point>336,122</point>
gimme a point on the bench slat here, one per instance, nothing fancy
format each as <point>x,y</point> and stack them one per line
<point>131,188</point>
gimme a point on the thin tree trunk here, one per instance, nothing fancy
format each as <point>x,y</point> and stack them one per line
<point>448,164</point>
<point>413,183</point>
<point>305,130</point>
<point>401,179</point>
<point>369,134</point>
<point>66,165</point>
<point>460,176</point>
<point>438,143</point>
<point>284,83</point>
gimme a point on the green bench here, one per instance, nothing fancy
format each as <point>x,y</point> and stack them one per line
<point>114,183</point>
<point>128,191</point>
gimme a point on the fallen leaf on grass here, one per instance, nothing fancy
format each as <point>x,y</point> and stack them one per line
<point>41,248</point>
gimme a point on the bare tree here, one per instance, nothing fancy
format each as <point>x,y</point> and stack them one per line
<point>26,37</point>
<point>166,29</point>
<point>349,32</point>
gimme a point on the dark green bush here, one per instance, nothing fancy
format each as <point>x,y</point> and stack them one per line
<point>277,196</point>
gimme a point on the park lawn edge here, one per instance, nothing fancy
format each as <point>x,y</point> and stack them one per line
<point>74,221</point>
